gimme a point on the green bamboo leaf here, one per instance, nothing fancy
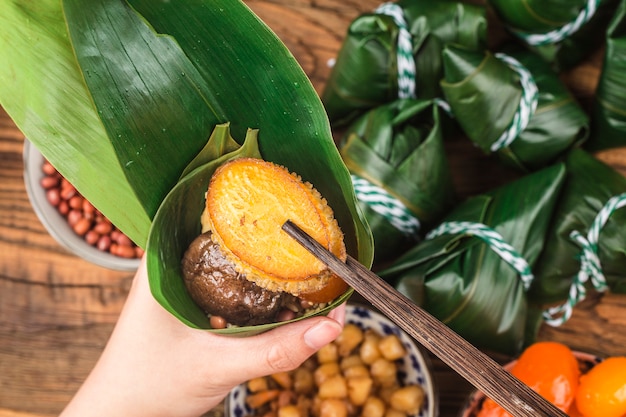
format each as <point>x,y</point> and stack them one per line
<point>398,147</point>
<point>148,94</point>
<point>172,49</point>
<point>609,114</point>
<point>465,283</point>
<point>482,111</point>
<point>177,223</point>
<point>589,186</point>
<point>42,89</point>
<point>220,143</point>
<point>131,90</point>
<point>484,92</point>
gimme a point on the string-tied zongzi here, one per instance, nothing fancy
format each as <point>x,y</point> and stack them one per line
<point>590,266</point>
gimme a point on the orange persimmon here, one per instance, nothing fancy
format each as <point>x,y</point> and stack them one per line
<point>602,390</point>
<point>550,369</point>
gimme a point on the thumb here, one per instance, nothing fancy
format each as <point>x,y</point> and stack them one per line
<point>281,349</point>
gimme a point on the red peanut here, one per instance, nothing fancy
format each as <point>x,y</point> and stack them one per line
<point>82,226</point>
<point>84,218</point>
<point>88,209</point>
<point>63,208</point>
<point>285,315</point>
<point>53,197</point>
<point>92,237</point>
<point>104,227</point>
<point>123,240</point>
<point>73,217</point>
<point>67,191</point>
<point>217,322</point>
<point>125,251</point>
<point>48,169</point>
<point>49,182</point>
<point>76,202</point>
<point>104,243</point>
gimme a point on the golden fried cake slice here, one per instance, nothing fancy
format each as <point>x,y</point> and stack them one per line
<point>247,202</point>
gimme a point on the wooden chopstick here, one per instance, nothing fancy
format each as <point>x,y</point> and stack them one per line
<point>469,362</point>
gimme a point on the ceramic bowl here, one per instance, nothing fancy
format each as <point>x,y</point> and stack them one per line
<point>475,400</point>
<point>57,225</point>
<point>414,368</point>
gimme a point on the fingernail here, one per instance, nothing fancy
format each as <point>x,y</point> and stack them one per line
<point>322,334</point>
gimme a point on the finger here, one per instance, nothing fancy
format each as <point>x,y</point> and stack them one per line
<point>279,350</point>
<point>339,314</point>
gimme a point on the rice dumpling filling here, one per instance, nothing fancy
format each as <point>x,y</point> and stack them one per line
<point>220,290</point>
<point>244,267</point>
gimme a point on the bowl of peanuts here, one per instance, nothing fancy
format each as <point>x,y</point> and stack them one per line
<point>72,220</point>
<point>373,369</point>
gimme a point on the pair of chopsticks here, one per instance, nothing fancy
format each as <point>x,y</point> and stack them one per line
<point>469,362</point>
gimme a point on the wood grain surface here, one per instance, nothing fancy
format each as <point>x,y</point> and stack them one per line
<point>57,311</point>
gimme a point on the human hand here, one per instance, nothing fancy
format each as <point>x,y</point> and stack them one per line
<point>154,365</point>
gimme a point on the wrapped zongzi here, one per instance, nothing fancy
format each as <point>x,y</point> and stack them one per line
<point>400,172</point>
<point>586,239</point>
<point>512,104</point>
<point>395,52</point>
<point>472,271</point>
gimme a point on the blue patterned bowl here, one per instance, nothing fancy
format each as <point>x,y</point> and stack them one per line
<point>414,368</point>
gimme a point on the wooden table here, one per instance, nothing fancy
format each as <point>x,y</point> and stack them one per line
<point>57,311</point>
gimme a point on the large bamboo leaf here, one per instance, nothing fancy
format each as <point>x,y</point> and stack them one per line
<point>146,83</point>
<point>42,89</point>
<point>138,59</point>
<point>150,97</point>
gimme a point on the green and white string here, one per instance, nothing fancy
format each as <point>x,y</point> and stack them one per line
<point>406,63</point>
<point>444,105</point>
<point>557,35</point>
<point>494,240</point>
<point>383,203</point>
<point>590,267</point>
<point>527,105</point>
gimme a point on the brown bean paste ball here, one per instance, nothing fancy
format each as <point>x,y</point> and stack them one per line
<point>221,291</point>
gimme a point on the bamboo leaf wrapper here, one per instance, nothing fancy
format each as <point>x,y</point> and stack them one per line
<point>366,71</point>
<point>563,33</point>
<point>396,156</point>
<point>131,91</point>
<point>609,105</point>
<point>488,94</point>
<point>589,185</point>
<point>467,285</point>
